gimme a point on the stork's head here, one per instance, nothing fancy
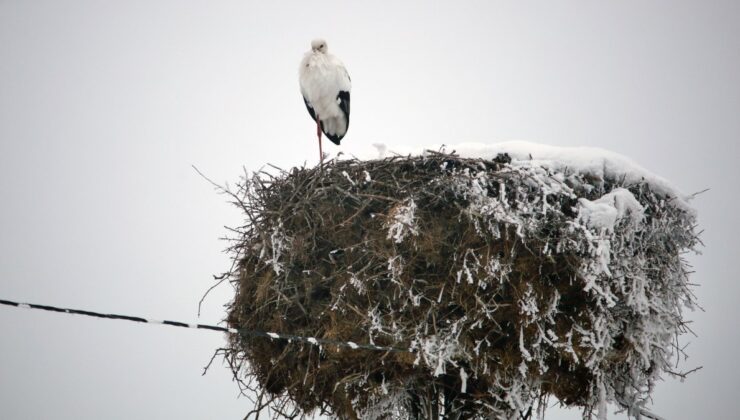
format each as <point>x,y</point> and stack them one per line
<point>319,45</point>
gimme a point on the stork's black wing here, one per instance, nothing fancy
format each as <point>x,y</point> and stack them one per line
<point>310,109</point>
<point>343,98</point>
<point>343,102</point>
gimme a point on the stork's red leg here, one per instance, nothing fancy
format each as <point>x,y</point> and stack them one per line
<point>318,134</point>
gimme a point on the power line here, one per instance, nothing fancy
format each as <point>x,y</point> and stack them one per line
<point>245,332</point>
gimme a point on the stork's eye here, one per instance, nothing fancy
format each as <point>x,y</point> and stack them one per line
<point>321,46</point>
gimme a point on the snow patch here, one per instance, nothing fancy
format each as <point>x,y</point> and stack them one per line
<point>605,212</point>
<point>402,221</point>
<point>595,162</point>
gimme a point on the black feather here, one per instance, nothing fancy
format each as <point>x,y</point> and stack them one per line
<point>343,98</point>
<point>310,109</point>
<point>344,104</point>
<point>333,137</point>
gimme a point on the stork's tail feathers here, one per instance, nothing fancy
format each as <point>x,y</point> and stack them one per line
<point>334,138</point>
<point>334,129</point>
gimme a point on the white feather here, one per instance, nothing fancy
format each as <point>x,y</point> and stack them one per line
<point>322,76</point>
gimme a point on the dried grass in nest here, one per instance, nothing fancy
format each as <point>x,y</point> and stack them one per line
<point>482,269</point>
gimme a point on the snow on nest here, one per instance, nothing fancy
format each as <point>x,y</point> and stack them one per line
<point>608,321</point>
<point>593,161</point>
<point>607,210</point>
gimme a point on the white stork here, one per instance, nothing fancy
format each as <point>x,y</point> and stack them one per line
<point>325,86</point>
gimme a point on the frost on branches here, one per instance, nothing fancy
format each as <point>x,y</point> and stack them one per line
<point>508,280</point>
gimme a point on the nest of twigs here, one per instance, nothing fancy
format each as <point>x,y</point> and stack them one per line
<point>489,276</point>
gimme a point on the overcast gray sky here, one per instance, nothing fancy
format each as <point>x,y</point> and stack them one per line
<point>105,105</point>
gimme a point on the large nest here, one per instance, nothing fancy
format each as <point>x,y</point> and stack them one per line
<point>506,284</point>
